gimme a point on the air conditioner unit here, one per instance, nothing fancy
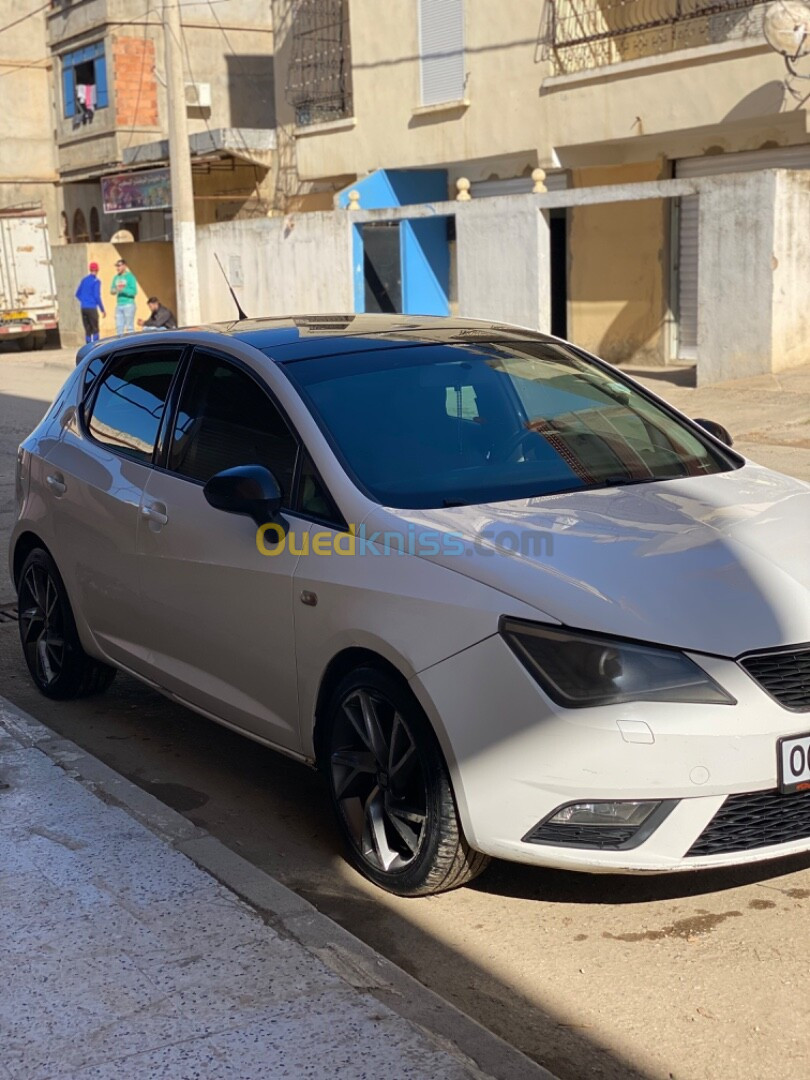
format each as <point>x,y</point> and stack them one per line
<point>198,95</point>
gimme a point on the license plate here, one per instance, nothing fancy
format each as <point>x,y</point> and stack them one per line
<point>12,315</point>
<point>794,764</point>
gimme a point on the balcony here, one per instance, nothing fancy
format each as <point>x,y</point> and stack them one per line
<point>578,35</point>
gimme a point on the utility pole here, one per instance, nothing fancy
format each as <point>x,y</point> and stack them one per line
<point>184,231</point>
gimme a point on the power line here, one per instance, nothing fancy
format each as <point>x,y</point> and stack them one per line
<point>24,18</point>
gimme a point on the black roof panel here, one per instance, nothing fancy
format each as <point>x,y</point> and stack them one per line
<point>296,337</point>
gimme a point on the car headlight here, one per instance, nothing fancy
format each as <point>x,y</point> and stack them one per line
<point>579,669</point>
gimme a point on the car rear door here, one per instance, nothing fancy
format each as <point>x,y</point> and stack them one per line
<point>94,479</point>
<point>219,612</point>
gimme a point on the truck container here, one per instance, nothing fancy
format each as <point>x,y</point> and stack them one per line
<point>28,307</point>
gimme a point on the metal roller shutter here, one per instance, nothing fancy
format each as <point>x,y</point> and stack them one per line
<point>784,157</point>
<point>441,47</point>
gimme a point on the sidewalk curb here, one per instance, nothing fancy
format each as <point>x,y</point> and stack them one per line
<point>289,914</point>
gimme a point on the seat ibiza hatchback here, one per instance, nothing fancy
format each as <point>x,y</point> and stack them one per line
<point>510,602</point>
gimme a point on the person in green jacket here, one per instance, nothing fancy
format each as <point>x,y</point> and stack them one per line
<point>125,288</point>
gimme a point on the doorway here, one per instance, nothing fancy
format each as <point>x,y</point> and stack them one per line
<point>382,267</point>
<point>558,245</point>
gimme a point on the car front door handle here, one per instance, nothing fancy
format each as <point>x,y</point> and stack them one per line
<point>154,515</point>
<point>56,483</point>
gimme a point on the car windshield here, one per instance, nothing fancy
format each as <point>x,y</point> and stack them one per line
<point>434,425</point>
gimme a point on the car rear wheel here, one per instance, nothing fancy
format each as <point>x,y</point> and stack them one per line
<point>56,660</point>
<point>391,790</point>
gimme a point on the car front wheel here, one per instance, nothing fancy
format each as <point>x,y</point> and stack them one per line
<point>56,660</point>
<point>391,790</point>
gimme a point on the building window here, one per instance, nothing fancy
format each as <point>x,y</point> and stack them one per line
<point>441,50</point>
<point>84,82</point>
<point>95,225</point>
<point>319,79</point>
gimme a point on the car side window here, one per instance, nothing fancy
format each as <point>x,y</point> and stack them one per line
<point>128,406</point>
<point>225,419</point>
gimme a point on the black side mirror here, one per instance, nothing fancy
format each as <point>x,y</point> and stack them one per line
<point>251,490</point>
<point>717,430</point>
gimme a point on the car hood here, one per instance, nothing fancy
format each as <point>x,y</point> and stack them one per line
<point>717,564</point>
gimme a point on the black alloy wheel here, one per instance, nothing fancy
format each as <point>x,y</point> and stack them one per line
<point>56,660</point>
<point>390,789</point>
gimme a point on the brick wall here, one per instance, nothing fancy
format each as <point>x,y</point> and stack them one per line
<point>135,85</point>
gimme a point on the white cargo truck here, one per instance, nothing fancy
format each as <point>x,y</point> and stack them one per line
<point>28,307</point>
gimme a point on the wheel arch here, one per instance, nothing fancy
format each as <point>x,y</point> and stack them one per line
<point>339,666</point>
<point>24,545</point>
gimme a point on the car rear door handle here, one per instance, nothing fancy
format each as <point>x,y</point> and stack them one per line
<point>154,514</point>
<point>56,482</point>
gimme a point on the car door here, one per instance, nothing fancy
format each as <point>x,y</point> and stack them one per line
<point>94,479</point>
<point>219,610</point>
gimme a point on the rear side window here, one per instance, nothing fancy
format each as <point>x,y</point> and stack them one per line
<point>225,419</point>
<point>130,400</point>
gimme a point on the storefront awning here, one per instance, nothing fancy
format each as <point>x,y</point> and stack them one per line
<point>254,145</point>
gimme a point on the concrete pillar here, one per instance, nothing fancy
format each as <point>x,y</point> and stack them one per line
<point>184,229</point>
<point>791,270</point>
<point>504,261</point>
<point>753,270</point>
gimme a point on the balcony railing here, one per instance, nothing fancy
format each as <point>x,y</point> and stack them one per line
<point>581,34</point>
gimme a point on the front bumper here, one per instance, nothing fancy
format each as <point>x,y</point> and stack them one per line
<point>515,757</point>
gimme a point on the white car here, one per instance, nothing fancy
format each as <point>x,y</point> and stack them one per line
<point>510,602</point>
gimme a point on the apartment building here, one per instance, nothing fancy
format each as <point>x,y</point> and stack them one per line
<point>28,164</point>
<point>89,121</point>
<point>398,101</point>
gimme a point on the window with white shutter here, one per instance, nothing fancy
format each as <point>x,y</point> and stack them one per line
<point>441,50</point>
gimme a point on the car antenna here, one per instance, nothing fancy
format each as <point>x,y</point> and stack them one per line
<point>242,315</point>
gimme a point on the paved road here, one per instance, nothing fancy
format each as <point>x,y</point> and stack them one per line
<point>690,977</point>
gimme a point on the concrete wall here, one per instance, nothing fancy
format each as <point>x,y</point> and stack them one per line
<point>618,269</point>
<point>152,265</point>
<point>754,265</point>
<point>502,261</point>
<point>303,263</point>
<point>791,270</point>
<point>299,264</point>
<point>735,283</point>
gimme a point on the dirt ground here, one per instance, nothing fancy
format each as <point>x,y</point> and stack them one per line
<point>693,977</point>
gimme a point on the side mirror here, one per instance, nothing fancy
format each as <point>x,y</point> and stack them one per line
<point>251,490</point>
<point>717,430</point>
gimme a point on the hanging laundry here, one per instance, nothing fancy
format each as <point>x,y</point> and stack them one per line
<point>86,101</point>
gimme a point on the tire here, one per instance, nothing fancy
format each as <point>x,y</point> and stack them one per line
<point>394,804</point>
<point>58,664</point>
<point>26,342</point>
<point>40,338</point>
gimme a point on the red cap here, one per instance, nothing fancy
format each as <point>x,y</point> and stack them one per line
<point>94,266</point>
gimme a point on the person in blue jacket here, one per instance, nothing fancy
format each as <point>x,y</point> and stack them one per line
<point>89,296</point>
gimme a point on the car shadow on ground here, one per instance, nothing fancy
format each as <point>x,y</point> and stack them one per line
<point>568,887</point>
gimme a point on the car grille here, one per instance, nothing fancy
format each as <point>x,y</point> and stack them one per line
<point>755,820</point>
<point>785,676</point>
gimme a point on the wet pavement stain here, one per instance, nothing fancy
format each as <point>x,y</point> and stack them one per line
<point>581,937</point>
<point>681,928</point>
<point>797,894</point>
<point>762,905</point>
<point>177,796</point>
